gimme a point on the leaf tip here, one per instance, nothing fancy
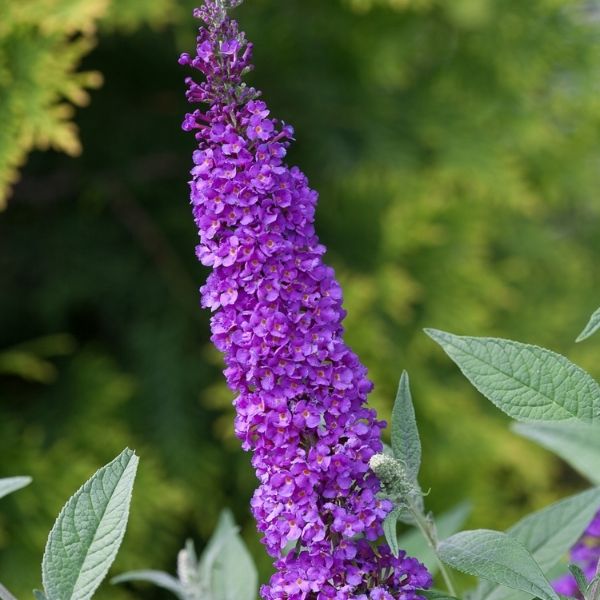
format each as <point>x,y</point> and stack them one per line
<point>437,335</point>
<point>129,453</point>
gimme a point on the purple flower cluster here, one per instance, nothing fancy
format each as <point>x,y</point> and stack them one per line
<point>585,553</point>
<point>300,391</point>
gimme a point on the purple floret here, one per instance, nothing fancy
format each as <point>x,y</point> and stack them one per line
<point>586,554</point>
<point>277,318</point>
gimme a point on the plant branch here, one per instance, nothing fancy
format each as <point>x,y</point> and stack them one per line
<point>430,536</point>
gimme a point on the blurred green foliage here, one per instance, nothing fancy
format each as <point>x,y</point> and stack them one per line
<point>455,146</point>
<point>42,43</point>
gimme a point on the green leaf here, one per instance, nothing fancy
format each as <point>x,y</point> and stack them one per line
<point>548,534</point>
<point>580,578</point>
<point>5,594</point>
<point>187,562</point>
<point>387,450</point>
<point>447,524</point>
<point>39,595</point>
<point>226,554</point>
<point>433,594</point>
<point>389,530</point>
<point>593,590</point>
<point>498,557</point>
<point>88,532</point>
<point>576,443</point>
<point>592,326</point>
<point>8,485</point>
<point>527,382</point>
<point>158,578</point>
<point>405,435</point>
<point>225,530</point>
<point>188,571</point>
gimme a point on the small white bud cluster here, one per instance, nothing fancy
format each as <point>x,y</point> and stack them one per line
<point>393,477</point>
<point>389,470</point>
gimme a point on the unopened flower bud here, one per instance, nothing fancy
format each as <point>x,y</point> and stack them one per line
<point>393,477</point>
<point>389,470</point>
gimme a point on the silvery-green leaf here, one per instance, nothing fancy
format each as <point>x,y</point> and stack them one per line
<point>406,444</point>
<point>8,485</point>
<point>187,562</point>
<point>39,595</point>
<point>579,576</point>
<point>406,516</point>
<point>548,534</point>
<point>225,530</point>
<point>5,594</point>
<point>88,532</point>
<point>433,594</point>
<point>527,382</point>
<point>188,570</point>
<point>593,590</point>
<point>158,578</point>
<point>498,557</point>
<point>446,524</point>
<point>226,554</point>
<point>576,443</point>
<point>387,450</point>
<point>291,545</point>
<point>389,530</point>
<point>592,326</point>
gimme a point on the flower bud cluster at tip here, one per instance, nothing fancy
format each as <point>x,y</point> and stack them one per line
<point>223,56</point>
<point>277,318</point>
<point>395,483</point>
<point>586,554</point>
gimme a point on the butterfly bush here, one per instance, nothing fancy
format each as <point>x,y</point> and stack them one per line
<point>277,318</point>
<point>585,553</point>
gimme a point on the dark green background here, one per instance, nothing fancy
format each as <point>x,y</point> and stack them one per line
<point>455,147</point>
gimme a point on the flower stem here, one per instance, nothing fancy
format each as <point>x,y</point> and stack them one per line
<point>430,536</point>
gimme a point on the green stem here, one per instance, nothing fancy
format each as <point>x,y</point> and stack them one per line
<point>432,542</point>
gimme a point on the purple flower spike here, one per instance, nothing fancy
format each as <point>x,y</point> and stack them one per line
<point>300,391</point>
<point>585,553</point>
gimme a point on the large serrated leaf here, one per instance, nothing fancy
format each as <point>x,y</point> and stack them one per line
<point>576,443</point>
<point>88,532</point>
<point>8,485</point>
<point>446,524</point>
<point>592,326</point>
<point>406,443</point>
<point>158,578</point>
<point>548,534</point>
<point>497,557</point>
<point>527,382</point>
<point>224,555</point>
